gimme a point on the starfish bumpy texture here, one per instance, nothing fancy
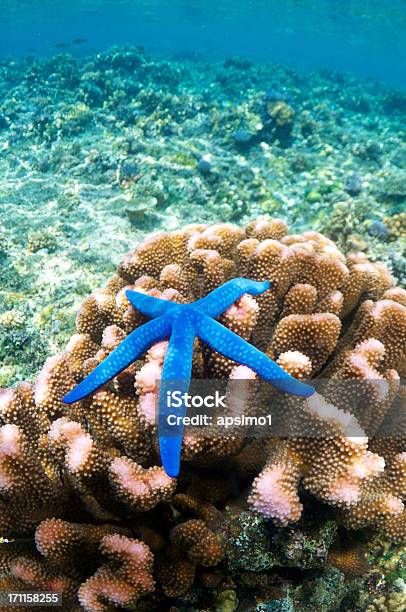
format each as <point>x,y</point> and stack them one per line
<point>182,323</point>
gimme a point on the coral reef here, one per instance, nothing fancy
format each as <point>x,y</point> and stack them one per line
<point>152,144</point>
<point>87,510</point>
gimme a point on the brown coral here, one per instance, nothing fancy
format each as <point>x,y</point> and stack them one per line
<point>122,586</point>
<point>142,488</point>
<point>62,468</point>
<point>201,545</point>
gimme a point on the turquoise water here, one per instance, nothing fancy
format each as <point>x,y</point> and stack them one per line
<point>366,37</point>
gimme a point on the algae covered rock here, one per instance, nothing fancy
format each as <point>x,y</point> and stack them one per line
<point>305,545</point>
<point>248,544</point>
<point>324,592</point>
<point>256,545</point>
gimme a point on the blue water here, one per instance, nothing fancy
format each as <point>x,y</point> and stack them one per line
<point>365,37</point>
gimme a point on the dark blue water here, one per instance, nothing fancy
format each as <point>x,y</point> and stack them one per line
<point>365,37</point>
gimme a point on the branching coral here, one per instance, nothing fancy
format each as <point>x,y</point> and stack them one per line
<point>122,586</point>
<point>87,478</point>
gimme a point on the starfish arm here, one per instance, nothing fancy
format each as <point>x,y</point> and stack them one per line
<point>128,351</point>
<point>147,304</point>
<point>176,375</point>
<point>218,300</point>
<point>230,345</point>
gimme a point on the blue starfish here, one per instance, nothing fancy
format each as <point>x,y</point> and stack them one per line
<point>181,323</point>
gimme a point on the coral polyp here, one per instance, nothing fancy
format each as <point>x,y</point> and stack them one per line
<point>86,505</point>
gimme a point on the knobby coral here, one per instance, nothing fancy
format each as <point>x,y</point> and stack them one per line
<point>183,323</point>
<point>83,484</point>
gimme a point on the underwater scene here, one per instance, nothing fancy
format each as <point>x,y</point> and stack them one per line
<point>203,305</point>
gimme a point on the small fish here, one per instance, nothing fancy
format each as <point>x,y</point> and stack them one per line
<point>79,41</point>
<point>62,45</point>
